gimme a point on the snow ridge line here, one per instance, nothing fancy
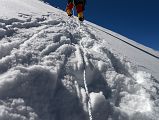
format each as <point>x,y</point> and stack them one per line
<point>126,42</point>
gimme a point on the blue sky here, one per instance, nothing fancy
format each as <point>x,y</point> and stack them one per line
<point>135,19</point>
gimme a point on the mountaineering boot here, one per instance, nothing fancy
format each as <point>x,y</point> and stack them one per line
<point>69,9</point>
<point>69,12</point>
<point>80,16</point>
<point>80,9</point>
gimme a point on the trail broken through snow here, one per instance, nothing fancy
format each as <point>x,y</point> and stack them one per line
<point>44,63</point>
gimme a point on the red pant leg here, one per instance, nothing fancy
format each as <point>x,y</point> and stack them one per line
<point>69,6</point>
<point>79,8</point>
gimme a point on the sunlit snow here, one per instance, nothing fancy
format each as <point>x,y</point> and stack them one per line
<point>53,67</point>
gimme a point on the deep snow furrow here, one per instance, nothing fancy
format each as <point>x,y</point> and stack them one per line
<point>67,54</point>
<point>119,67</point>
<point>85,63</point>
<point>66,87</point>
<point>93,76</point>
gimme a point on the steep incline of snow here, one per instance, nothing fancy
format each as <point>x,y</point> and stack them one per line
<point>143,60</point>
<point>54,68</point>
<point>156,53</point>
<point>18,8</point>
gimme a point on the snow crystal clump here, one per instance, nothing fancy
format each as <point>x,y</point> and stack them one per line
<point>35,85</point>
<point>142,77</point>
<point>100,106</point>
<point>6,48</point>
<point>16,109</point>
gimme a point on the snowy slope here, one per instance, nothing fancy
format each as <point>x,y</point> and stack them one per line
<point>54,68</point>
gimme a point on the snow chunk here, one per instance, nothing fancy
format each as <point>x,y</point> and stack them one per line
<point>65,49</point>
<point>87,42</point>
<point>33,23</point>
<point>102,66</point>
<point>35,85</point>
<point>50,48</point>
<point>2,25</point>
<point>136,103</point>
<point>16,109</point>
<point>2,32</point>
<point>22,82</point>
<point>100,106</point>
<point>50,22</point>
<point>6,48</point>
<point>142,77</point>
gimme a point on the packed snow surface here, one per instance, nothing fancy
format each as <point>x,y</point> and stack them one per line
<point>53,67</point>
